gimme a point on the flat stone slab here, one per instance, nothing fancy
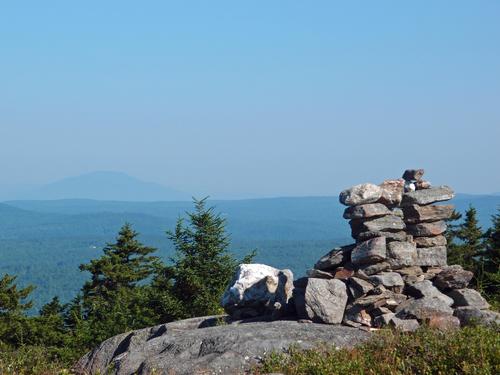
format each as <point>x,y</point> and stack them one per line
<point>415,214</point>
<point>431,256</point>
<point>365,211</point>
<point>427,229</point>
<point>368,252</point>
<point>384,223</point>
<point>198,346</point>
<point>428,196</point>
<point>430,241</point>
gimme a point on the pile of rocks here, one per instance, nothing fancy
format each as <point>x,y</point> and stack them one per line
<point>394,274</point>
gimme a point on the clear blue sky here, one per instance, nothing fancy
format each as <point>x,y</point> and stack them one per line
<point>254,98</point>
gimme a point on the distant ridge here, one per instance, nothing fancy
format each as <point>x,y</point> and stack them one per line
<point>105,185</point>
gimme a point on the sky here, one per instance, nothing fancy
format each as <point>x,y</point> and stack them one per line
<point>251,99</point>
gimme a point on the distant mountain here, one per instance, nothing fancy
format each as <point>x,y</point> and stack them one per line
<point>105,186</point>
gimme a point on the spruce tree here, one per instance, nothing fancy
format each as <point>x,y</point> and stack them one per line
<point>491,258</point>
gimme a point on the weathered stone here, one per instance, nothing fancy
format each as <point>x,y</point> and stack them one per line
<point>321,301</point>
<point>318,274</point>
<point>385,223</point>
<point>430,241</point>
<point>343,273</point>
<point>432,272</point>
<point>335,258</point>
<point>258,288</point>
<point>396,236</point>
<point>380,311</point>
<point>427,229</point>
<point>453,277</point>
<point>413,174</point>
<point>416,214</point>
<point>410,271</point>
<point>404,325</point>
<point>397,212</point>
<point>431,256</point>
<point>365,211</point>
<point>443,322</point>
<point>360,194</point>
<point>400,254</point>
<point>472,315</point>
<point>372,269</point>
<point>383,320</point>
<point>423,308</point>
<point>392,192</point>
<point>201,346</point>
<point>357,314</point>
<point>359,287</point>
<point>468,297</point>
<point>419,185</point>
<point>370,251</point>
<point>427,196</point>
<point>425,289</point>
<point>387,279</point>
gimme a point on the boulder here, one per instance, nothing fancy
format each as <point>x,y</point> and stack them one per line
<point>468,297</point>
<point>427,229</point>
<point>443,322</point>
<point>404,325</point>
<point>365,211</point>
<point>400,254</point>
<point>335,258</point>
<point>392,192</point>
<point>425,289</point>
<point>423,308</point>
<point>427,196</point>
<point>472,315</point>
<point>415,214</point>
<point>360,194</point>
<point>431,256</point>
<point>370,251</point>
<point>258,289</point>
<point>385,223</point>
<point>430,241</point>
<point>387,279</point>
<point>321,300</point>
<point>453,277</point>
<point>208,345</point>
<point>413,174</point>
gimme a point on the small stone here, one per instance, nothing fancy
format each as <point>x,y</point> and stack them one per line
<point>422,184</point>
<point>430,241</point>
<point>427,229</point>
<point>372,269</point>
<point>360,194</point>
<point>427,196</point>
<point>468,297</point>
<point>314,273</point>
<point>396,236</point>
<point>336,257</point>
<point>387,279</point>
<point>392,192</point>
<point>365,211</point>
<point>416,214</point>
<point>443,322</point>
<point>343,273</point>
<point>453,277</point>
<point>359,287</point>
<point>401,254</point>
<point>423,308</point>
<point>411,271</point>
<point>413,174</point>
<point>432,272</point>
<point>404,325</point>
<point>384,223</point>
<point>383,320</point>
<point>425,289</point>
<point>380,311</point>
<point>370,251</point>
<point>357,314</point>
<point>431,256</point>
<point>472,315</point>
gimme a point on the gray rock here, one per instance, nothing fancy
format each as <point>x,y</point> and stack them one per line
<point>392,192</point>
<point>258,289</point>
<point>425,289</point>
<point>335,258</point>
<point>396,236</point>
<point>199,345</point>
<point>427,196</point>
<point>427,229</point>
<point>365,211</point>
<point>423,308</point>
<point>370,251</point>
<point>318,274</point>
<point>472,315</point>
<point>468,297</point>
<point>431,256</point>
<point>422,184</point>
<point>404,325</point>
<point>321,301</point>
<point>415,214</point>
<point>359,287</point>
<point>358,315</point>
<point>410,271</point>
<point>430,241</point>
<point>372,269</point>
<point>413,174</point>
<point>401,254</point>
<point>383,320</point>
<point>360,194</point>
<point>453,277</point>
<point>443,322</point>
<point>385,223</point>
<point>387,279</point>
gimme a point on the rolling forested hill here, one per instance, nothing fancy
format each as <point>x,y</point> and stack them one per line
<point>43,242</point>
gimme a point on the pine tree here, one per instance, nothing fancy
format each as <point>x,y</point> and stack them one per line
<point>201,269</point>
<point>491,258</point>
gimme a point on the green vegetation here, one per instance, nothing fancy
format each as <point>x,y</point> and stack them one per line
<point>472,350</point>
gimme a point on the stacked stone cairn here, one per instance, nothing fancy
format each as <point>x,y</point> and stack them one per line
<point>396,272</point>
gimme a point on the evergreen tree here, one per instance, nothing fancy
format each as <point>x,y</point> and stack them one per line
<point>491,258</point>
<point>201,269</point>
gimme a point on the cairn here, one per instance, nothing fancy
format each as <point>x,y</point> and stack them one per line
<point>396,272</point>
